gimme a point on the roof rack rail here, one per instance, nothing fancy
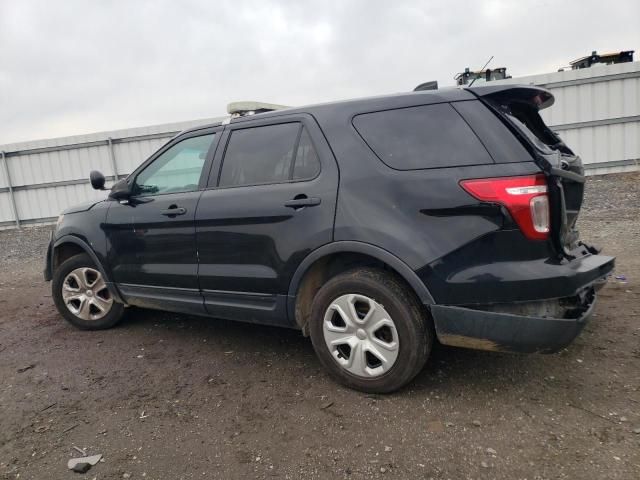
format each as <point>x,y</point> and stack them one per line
<point>241,109</point>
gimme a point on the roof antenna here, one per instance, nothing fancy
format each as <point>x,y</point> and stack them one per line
<point>485,66</point>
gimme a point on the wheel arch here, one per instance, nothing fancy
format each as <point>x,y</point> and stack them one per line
<point>319,265</point>
<point>69,245</point>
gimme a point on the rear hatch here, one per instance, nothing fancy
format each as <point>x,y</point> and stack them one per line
<point>518,107</point>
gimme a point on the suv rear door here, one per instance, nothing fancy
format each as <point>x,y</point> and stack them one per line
<point>270,200</point>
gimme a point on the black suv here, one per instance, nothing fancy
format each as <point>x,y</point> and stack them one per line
<point>375,226</point>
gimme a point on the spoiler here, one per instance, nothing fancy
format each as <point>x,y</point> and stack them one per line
<point>537,97</point>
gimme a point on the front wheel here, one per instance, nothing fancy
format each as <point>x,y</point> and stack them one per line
<point>81,295</point>
<point>370,331</point>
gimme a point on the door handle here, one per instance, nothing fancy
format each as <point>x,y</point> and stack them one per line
<point>173,210</point>
<point>300,201</point>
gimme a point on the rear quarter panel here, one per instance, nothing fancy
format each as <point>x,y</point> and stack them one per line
<point>419,215</point>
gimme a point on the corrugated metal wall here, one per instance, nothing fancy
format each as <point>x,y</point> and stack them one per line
<point>597,113</point>
<point>48,176</point>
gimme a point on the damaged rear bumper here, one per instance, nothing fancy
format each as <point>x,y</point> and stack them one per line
<point>485,329</point>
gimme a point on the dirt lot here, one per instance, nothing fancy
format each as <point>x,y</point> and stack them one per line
<point>164,396</point>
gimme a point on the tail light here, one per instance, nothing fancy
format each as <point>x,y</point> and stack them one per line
<point>524,197</point>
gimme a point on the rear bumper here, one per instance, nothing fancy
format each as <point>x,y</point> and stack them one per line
<point>498,331</point>
<point>502,268</point>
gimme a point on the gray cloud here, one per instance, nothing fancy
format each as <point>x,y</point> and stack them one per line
<point>74,67</point>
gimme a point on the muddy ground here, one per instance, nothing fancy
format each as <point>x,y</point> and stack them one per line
<point>164,396</point>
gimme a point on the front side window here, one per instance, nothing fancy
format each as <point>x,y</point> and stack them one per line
<point>264,155</point>
<point>176,170</point>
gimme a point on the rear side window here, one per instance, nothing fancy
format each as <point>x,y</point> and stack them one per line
<point>269,154</point>
<point>502,145</point>
<point>429,136</point>
<point>307,164</point>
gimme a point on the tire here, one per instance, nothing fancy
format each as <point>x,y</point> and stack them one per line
<point>72,281</point>
<point>376,296</point>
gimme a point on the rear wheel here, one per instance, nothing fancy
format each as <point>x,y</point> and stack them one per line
<point>369,331</point>
<point>81,295</point>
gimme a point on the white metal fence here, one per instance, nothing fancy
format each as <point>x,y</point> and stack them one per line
<point>40,179</point>
<point>597,113</point>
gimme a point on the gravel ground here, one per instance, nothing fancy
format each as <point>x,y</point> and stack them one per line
<point>166,396</point>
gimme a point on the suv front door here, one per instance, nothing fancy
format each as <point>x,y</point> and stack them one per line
<point>151,236</point>
<point>270,201</point>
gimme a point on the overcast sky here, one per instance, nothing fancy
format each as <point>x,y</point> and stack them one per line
<point>71,67</point>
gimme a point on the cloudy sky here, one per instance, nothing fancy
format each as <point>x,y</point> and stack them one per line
<point>70,67</point>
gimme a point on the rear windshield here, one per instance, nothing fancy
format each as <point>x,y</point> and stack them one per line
<point>529,122</point>
<point>428,136</point>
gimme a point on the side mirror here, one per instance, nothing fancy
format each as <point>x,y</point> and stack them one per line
<point>120,190</point>
<point>97,180</point>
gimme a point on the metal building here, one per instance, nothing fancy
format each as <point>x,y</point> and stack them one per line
<point>597,112</point>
